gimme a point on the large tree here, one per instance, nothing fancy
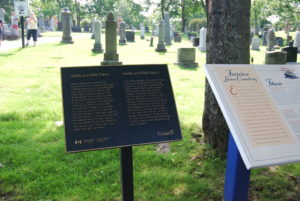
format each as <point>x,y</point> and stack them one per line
<point>227,43</point>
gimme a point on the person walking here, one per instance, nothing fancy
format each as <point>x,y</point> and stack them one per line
<point>32,29</point>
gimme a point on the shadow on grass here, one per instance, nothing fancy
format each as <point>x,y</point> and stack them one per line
<point>62,44</point>
<point>12,52</point>
<point>56,58</point>
<point>96,53</point>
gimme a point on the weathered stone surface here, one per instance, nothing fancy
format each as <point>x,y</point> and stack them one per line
<point>186,57</point>
<point>202,43</point>
<point>161,38</point>
<point>275,57</point>
<point>142,27</point>
<point>291,53</point>
<point>130,35</point>
<point>271,40</point>
<point>167,28</point>
<point>255,43</point>
<point>97,44</point>
<point>110,56</point>
<point>66,26</point>
<point>122,40</point>
<point>297,40</point>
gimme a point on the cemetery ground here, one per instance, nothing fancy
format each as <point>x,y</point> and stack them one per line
<point>33,162</point>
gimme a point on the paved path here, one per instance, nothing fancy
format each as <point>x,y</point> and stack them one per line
<point>7,45</point>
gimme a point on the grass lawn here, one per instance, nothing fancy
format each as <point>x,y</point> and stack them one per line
<point>34,166</point>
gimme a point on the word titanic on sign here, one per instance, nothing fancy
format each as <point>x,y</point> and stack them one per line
<point>261,105</point>
<point>117,106</point>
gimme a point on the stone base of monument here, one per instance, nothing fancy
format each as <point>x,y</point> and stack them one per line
<point>97,48</point>
<point>92,36</point>
<point>142,37</point>
<point>186,57</point>
<point>275,57</point>
<point>67,40</point>
<point>187,64</point>
<point>161,47</point>
<point>202,48</point>
<point>110,63</point>
<point>122,42</point>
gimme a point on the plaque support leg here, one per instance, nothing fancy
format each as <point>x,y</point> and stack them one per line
<point>22,31</point>
<point>127,173</point>
<point>237,177</point>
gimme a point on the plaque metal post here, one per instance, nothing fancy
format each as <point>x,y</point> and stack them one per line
<point>127,173</point>
<point>22,31</point>
<point>237,177</point>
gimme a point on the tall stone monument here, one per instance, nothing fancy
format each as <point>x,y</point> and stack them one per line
<point>161,37</point>
<point>142,31</point>
<point>52,24</point>
<point>202,43</point>
<point>297,40</point>
<point>271,40</point>
<point>97,44</point>
<point>122,40</point>
<point>93,28</point>
<point>167,29</point>
<point>2,14</point>
<point>153,29</point>
<point>66,26</point>
<point>110,56</point>
<point>41,23</point>
<point>264,40</point>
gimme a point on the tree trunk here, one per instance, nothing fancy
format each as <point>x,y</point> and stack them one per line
<point>227,43</point>
<point>183,20</point>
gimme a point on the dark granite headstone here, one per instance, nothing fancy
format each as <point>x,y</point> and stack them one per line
<point>291,53</point>
<point>76,29</point>
<point>279,41</point>
<point>147,29</point>
<point>275,57</point>
<point>130,36</point>
<point>86,28</point>
<point>59,26</point>
<point>196,42</point>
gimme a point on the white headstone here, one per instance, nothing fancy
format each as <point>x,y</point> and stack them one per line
<point>142,27</point>
<point>255,43</point>
<point>202,42</point>
<point>297,40</point>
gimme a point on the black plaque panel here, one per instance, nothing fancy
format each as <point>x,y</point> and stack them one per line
<point>118,106</point>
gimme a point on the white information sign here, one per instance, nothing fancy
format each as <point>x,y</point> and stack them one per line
<point>21,8</point>
<point>261,105</point>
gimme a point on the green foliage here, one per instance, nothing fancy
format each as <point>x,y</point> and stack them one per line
<point>197,23</point>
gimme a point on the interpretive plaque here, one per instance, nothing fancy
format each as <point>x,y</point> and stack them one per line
<point>117,106</point>
<point>261,105</point>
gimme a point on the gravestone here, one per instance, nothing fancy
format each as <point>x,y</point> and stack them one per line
<point>153,29</point>
<point>66,26</point>
<point>186,57</point>
<point>156,30</point>
<point>177,37</point>
<point>2,14</point>
<point>297,40</point>
<point>255,43</point>
<point>161,38</point>
<point>93,28</point>
<point>142,27</point>
<point>41,23</point>
<point>111,57</point>
<point>251,36</point>
<point>271,40</point>
<point>279,41</point>
<point>291,53</point>
<point>196,42</point>
<point>97,44</point>
<point>86,28</point>
<point>264,41</point>
<point>147,30</point>
<point>52,24</point>
<point>167,28</point>
<point>122,40</point>
<point>202,43</point>
<point>275,57</point>
<point>130,36</point>
<point>76,29</point>
<point>59,26</point>
<point>151,42</point>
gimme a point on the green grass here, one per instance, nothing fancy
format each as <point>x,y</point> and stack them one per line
<point>32,146</point>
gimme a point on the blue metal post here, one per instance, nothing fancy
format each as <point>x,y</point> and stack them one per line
<point>237,177</point>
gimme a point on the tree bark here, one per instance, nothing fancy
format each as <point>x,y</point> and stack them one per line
<point>227,43</point>
<point>183,20</point>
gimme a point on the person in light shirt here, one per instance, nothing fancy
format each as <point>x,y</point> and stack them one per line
<point>32,29</point>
